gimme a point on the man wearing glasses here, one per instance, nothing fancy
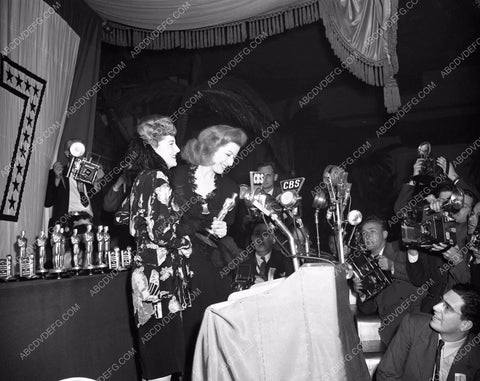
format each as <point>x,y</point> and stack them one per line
<point>442,347</point>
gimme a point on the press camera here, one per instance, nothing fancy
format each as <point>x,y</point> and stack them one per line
<point>430,169</point>
<point>422,227</point>
<point>82,166</point>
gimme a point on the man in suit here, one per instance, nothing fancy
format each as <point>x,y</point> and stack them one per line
<point>70,199</point>
<point>398,298</point>
<point>444,347</point>
<point>270,185</point>
<point>268,263</point>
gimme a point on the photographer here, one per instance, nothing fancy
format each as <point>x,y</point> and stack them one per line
<point>120,191</point>
<point>413,186</point>
<point>72,206</point>
<point>121,188</point>
<point>445,265</point>
<point>400,296</point>
<point>474,230</point>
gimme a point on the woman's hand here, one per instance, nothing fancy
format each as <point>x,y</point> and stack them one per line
<point>219,227</point>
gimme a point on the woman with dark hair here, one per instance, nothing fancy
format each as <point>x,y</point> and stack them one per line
<point>201,190</point>
<point>160,277</point>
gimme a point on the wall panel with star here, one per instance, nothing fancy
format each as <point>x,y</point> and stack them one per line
<point>37,64</point>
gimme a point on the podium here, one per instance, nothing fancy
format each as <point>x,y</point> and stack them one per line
<point>298,328</point>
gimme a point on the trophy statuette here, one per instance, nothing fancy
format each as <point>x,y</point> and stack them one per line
<point>88,265</point>
<point>100,248</point>
<point>7,272</point>
<point>41,241</point>
<point>75,239</point>
<point>57,254</point>
<point>207,235</point>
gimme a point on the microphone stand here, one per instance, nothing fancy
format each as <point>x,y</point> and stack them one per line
<point>317,230</point>
<point>291,240</point>
<point>341,253</point>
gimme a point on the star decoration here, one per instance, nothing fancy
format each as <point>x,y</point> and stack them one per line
<point>9,75</point>
<point>33,106</point>
<point>19,80</point>
<point>27,85</point>
<point>29,120</point>
<point>19,169</point>
<point>12,202</point>
<point>26,135</point>
<point>15,185</point>
<point>35,90</point>
<point>22,151</point>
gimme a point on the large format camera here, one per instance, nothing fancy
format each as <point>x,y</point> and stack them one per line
<point>82,167</point>
<point>422,227</point>
<point>430,169</point>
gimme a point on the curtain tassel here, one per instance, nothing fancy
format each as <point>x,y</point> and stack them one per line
<point>391,95</point>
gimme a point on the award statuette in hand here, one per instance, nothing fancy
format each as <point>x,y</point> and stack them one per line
<point>207,235</point>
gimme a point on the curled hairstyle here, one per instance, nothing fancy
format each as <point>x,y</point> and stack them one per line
<point>151,130</point>
<point>200,150</point>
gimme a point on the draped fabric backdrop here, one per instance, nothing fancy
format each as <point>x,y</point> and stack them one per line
<point>362,32</point>
<point>88,25</point>
<point>363,35</point>
<point>39,52</point>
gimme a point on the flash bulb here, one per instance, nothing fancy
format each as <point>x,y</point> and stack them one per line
<point>77,149</point>
<point>354,217</point>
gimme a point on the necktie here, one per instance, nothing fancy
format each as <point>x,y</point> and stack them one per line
<point>83,196</point>
<point>436,375</point>
<point>263,269</point>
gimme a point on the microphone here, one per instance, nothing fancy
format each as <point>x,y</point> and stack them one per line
<point>329,214</point>
<point>320,200</point>
<point>262,201</point>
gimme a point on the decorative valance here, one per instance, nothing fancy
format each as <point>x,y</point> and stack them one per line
<point>362,32</point>
<point>170,37</point>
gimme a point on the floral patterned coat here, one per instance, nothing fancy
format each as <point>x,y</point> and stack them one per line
<point>161,275</point>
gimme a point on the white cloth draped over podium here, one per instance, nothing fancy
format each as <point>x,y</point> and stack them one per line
<point>299,329</point>
<point>38,55</point>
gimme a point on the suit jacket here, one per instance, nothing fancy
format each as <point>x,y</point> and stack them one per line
<point>59,197</point>
<point>475,272</point>
<point>278,263</point>
<point>411,354</point>
<point>399,298</point>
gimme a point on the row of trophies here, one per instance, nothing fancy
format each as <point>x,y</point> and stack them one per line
<point>80,258</point>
